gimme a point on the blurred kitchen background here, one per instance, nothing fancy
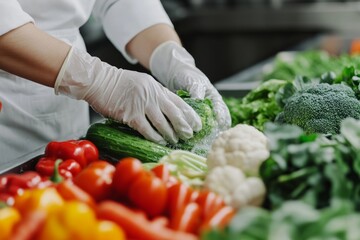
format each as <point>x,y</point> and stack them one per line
<point>228,36</point>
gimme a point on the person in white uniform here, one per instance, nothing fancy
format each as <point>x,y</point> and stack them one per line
<point>47,79</point>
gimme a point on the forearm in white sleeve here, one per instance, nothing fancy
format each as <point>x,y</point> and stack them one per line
<point>12,16</point>
<point>123,20</point>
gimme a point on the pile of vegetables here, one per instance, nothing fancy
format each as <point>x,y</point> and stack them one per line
<point>122,200</point>
<point>288,168</point>
<point>315,100</point>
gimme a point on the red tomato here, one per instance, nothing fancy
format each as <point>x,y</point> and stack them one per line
<point>96,179</point>
<point>149,194</point>
<point>179,195</point>
<point>186,219</point>
<point>127,171</point>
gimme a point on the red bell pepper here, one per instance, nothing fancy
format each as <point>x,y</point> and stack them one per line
<point>0,106</point>
<point>82,151</point>
<point>14,184</point>
<point>68,168</point>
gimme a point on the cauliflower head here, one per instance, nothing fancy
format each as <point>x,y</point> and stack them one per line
<point>242,146</point>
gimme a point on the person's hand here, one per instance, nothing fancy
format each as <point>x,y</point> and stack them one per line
<point>174,67</point>
<point>130,97</point>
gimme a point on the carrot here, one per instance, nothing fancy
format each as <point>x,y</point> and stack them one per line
<point>219,219</point>
<point>136,225</point>
<point>187,219</point>
<point>29,226</point>
<point>69,191</point>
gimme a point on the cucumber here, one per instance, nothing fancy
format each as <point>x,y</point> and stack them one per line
<point>118,142</point>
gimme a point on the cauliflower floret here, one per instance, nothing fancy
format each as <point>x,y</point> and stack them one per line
<point>223,180</point>
<point>233,186</point>
<point>242,146</point>
<point>250,192</point>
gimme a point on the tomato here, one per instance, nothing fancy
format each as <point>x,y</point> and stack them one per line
<point>96,179</point>
<point>179,195</point>
<point>209,202</point>
<point>149,193</point>
<point>127,171</point>
<point>186,219</point>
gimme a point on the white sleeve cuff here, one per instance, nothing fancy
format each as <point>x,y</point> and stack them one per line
<point>12,16</point>
<point>125,19</point>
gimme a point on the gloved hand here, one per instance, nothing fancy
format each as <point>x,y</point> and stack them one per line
<point>175,68</point>
<point>130,97</point>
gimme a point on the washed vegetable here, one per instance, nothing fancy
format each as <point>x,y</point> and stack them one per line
<point>201,140</point>
<point>116,140</point>
<point>321,107</point>
<point>242,146</point>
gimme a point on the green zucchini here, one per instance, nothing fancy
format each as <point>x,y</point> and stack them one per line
<point>117,142</point>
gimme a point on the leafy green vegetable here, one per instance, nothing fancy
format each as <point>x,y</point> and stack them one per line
<point>312,167</point>
<point>294,220</point>
<point>311,63</point>
<point>258,106</point>
<point>298,70</point>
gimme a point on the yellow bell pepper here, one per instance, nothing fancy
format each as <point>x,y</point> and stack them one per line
<point>107,230</point>
<point>74,220</point>
<point>8,218</point>
<point>33,199</point>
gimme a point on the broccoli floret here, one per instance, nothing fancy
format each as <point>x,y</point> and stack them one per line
<point>320,108</point>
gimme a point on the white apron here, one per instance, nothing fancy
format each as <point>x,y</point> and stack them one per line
<point>32,114</point>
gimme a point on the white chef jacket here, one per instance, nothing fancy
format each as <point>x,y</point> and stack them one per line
<point>32,114</point>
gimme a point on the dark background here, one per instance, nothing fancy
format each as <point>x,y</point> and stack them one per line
<point>228,36</point>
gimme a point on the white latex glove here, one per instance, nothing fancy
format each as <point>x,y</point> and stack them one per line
<point>175,68</point>
<point>130,97</point>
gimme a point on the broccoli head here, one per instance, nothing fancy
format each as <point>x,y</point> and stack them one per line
<point>320,108</point>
